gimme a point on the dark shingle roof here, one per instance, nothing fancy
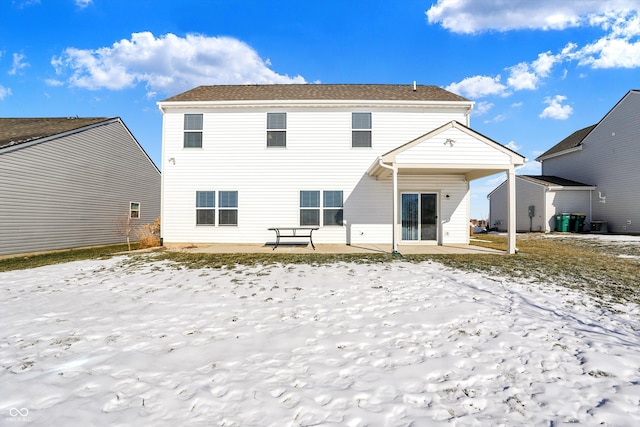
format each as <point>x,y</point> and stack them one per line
<point>553,180</point>
<point>572,141</point>
<point>21,130</point>
<point>290,92</point>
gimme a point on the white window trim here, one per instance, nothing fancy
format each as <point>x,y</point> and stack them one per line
<point>131,210</point>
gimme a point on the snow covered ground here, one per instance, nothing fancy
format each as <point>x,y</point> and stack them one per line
<point>115,342</point>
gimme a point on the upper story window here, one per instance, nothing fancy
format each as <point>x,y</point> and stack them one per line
<point>361,129</point>
<point>276,129</point>
<point>193,131</point>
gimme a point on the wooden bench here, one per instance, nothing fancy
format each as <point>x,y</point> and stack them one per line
<point>294,232</point>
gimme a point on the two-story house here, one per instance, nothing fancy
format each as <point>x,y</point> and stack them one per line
<point>593,171</point>
<point>367,164</point>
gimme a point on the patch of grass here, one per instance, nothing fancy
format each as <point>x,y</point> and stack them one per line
<point>24,262</point>
<point>592,266</point>
<point>589,265</point>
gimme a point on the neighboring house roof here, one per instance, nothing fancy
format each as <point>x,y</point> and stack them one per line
<point>316,92</point>
<point>572,141</point>
<point>575,140</point>
<point>14,131</point>
<point>550,180</point>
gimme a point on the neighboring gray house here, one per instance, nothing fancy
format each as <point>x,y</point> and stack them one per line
<point>605,156</point>
<point>67,182</point>
<point>538,200</point>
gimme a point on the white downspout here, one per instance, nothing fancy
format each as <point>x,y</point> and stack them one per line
<point>394,174</point>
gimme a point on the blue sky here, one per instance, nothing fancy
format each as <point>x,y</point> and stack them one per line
<point>537,70</point>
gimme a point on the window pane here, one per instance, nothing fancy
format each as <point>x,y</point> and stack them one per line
<point>309,199</point>
<point>228,217</point>
<point>205,217</point>
<point>193,139</point>
<point>332,217</point>
<point>205,199</point>
<point>309,216</point>
<point>361,138</point>
<point>276,120</point>
<point>228,199</point>
<point>276,138</point>
<point>332,199</point>
<point>361,120</point>
<point>193,122</point>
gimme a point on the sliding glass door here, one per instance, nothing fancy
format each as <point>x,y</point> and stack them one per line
<point>419,217</point>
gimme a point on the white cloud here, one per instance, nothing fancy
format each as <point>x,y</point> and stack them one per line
<point>53,82</point>
<point>521,77</point>
<point>18,63</point>
<point>555,109</point>
<point>168,63</point>
<point>482,108</point>
<point>4,92</point>
<point>530,167</point>
<point>478,86</point>
<point>497,119</point>
<point>83,3</point>
<point>513,146</point>
<point>472,16</point>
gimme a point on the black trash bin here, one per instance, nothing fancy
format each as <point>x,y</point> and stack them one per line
<point>577,224</point>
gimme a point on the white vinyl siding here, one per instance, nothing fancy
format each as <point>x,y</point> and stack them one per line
<point>452,147</point>
<point>318,156</point>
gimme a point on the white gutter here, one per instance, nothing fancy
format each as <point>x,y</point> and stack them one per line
<point>394,173</point>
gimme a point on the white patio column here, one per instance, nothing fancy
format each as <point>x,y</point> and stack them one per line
<point>511,210</point>
<point>394,225</point>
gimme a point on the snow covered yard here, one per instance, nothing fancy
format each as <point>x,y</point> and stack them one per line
<point>126,342</point>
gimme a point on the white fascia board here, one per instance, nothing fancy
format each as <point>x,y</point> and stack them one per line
<point>314,103</point>
<point>563,188</point>
<point>560,153</point>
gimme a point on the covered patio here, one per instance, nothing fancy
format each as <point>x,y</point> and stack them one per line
<point>452,151</point>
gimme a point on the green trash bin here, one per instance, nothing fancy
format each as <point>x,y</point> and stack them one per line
<point>562,222</point>
<point>577,220</point>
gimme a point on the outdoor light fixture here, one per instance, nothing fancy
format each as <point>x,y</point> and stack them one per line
<point>450,142</point>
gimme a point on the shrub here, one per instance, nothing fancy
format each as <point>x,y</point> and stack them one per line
<point>148,236</point>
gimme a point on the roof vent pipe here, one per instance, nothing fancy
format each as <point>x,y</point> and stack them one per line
<point>414,86</point>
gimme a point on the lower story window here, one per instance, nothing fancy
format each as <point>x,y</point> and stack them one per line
<point>228,210</point>
<point>312,206</point>
<point>205,207</point>
<point>332,208</point>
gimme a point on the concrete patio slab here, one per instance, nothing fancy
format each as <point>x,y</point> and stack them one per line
<point>220,248</point>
